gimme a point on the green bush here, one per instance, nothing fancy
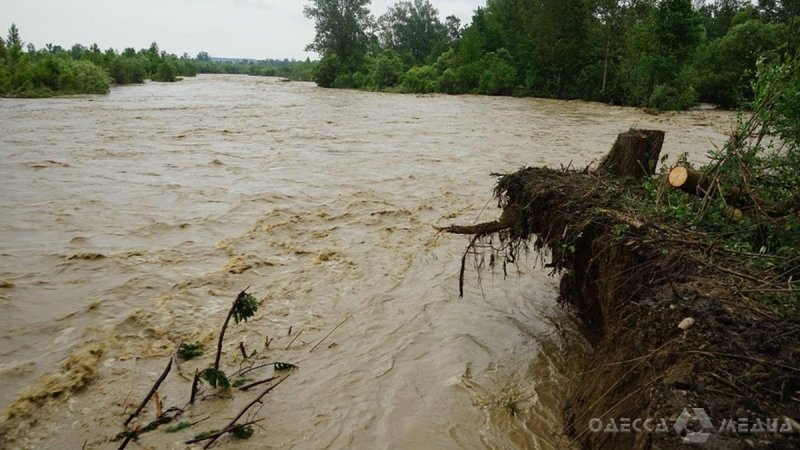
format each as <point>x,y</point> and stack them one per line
<point>167,71</point>
<point>449,82</point>
<point>344,80</point>
<point>498,76</point>
<point>420,79</point>
<point>127,70</point>
<point>88,78</point>
<point>326,72</point>
<point>387,70</point>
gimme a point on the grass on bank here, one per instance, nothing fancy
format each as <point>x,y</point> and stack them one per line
<point>761,160</point>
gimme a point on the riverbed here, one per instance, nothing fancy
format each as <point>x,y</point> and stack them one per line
<point>130,222</point>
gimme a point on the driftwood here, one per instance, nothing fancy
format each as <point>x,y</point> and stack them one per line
<point>634,154</point>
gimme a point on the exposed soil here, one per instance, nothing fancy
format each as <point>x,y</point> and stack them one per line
<point>633,283</point>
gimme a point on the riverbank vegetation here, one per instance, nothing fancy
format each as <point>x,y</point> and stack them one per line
<point>26,71</point>
<point>700,272</point>
<point>662,54</point>
<point>746,200</point>
<point>286,68</point>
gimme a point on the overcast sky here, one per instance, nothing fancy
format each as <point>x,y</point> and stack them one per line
<point>233,28</point>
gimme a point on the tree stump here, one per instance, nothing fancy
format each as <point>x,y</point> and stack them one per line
<point>634,154</point>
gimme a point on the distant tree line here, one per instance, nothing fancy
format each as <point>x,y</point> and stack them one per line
<point>663,54</point>
<point>26,71</point>
<point>286,68</point>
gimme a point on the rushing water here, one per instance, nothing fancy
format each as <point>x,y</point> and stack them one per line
<point>129,222</point>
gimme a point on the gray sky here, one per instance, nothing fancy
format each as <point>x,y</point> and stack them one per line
<point>232,28</point>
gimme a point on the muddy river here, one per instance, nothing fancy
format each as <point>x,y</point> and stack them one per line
<point>129,222</point>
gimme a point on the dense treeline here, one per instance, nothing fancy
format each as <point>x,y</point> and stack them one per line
<point>286,68</point>
<point>665,54</point>
<point>54,70</point>
<point>29,72</point>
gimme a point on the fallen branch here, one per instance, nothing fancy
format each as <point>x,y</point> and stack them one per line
<point>232,424</point>
<point>295,338</point>
<point>161,419</point>
<point>481,229</point>
<point>257,383</point>
<point>195,382</point>
<point>331,332</point>
<point>464,265</point>
<point>150,394</point>
<point>225,327</point>
<point>746,358</point>
<point>219,434</point>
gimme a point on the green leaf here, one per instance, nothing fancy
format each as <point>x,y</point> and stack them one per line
<point>245,307</point>
<point>243,432</point>
<point>178,427</point>
<point>206,434</point>
<point>189,351</point>
<point>216,378</point>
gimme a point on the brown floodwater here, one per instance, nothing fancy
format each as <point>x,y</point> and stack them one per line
<point>129,222</point>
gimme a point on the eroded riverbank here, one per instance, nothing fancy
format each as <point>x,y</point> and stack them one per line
<point>131,220</point>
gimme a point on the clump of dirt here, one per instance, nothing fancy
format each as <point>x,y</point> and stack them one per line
<point>671,331</point>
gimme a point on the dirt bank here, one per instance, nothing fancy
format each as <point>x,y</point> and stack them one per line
<point>669,327</point>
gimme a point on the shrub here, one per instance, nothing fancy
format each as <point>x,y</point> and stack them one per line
<point>498,76</point>
<point>326,72</point>
<point>420,79</point>
<point>88,78</point>
<point>127,70</point>
<point>387,70</point>
<point>167,71</point>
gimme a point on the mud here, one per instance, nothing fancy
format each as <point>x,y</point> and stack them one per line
<point>131,220</point>
<point>668,333</point>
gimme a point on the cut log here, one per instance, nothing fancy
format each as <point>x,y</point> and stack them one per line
<point>694,183</point>
<point>634,154</point>
<point>689,181</point>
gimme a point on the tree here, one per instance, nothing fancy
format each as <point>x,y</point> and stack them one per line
<point>387,69</point>
<point>610,15</point>
<point>726,66</point>
<point>341,28</point>
<point>679,28</point>
<point>414,30</point>
<point>720,14</point>
<point>499,76</point>
<point>559,50</point>
<point>167,70</point>
<point>14,44</point>
<point>452,27</point>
